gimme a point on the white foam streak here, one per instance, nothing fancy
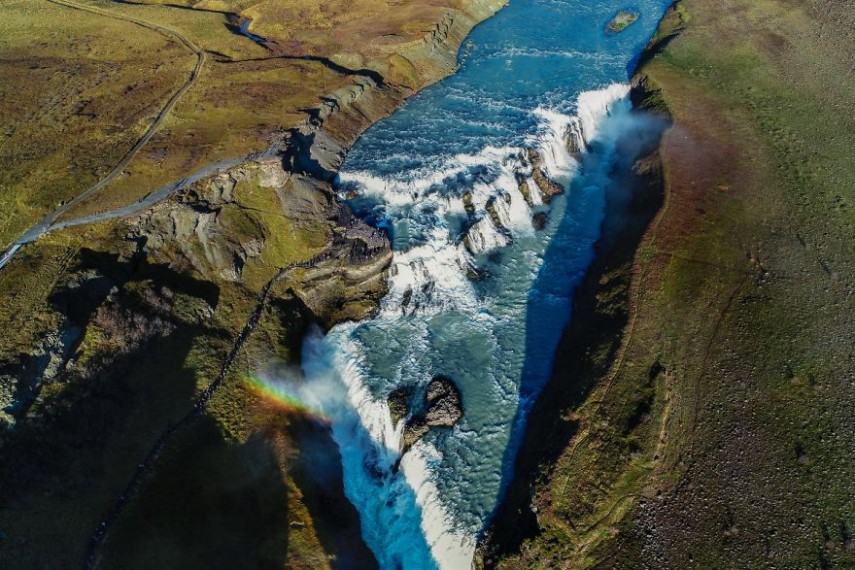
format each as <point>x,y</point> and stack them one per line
<point>421,184</point>
<point>483,237</point>
<point>512,207</point>
<point>553,147</point>
<point>429,278</point>
<point>450,549</point>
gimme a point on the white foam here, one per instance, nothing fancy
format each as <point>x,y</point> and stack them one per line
<point>594,106</point>
<point>433,277</point>
<point>430,278</point>
<point>483,237</point>
<point>553,147</point>
<point>418,184</point>
<point>450,549</point>
<point>513,209</point>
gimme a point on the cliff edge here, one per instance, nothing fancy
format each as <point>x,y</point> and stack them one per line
<point>134,433</point>
<point>707,427</point>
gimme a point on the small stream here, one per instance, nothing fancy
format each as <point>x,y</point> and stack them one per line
<point>244,31</point>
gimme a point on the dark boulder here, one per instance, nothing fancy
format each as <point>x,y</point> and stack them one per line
<point>399,403</point>
<point>548,188</point>
<point>443,408</point>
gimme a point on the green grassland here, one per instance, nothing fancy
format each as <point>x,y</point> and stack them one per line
<point>357,33</point>
<point>77,91</point>
<point>84,80</point>
<point>718,432</point>
<point>235,110</point>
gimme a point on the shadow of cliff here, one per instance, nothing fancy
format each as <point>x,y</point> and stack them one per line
<point>210,503</point>
<point>317,471</point>
<point>113,270</point>
<point>297,155</point>
<point>541,427</point>
<point>68,459</point>
<point>95,276</point>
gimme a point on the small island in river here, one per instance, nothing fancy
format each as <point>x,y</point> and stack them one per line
<point>622,21</point>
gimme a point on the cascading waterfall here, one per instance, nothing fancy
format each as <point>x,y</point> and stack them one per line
<point>416,510</point>
<point>465,178</point>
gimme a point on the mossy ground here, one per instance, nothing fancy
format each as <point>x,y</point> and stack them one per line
<point>720,437</point>
<point>77,92</point>
<point>80,88</point>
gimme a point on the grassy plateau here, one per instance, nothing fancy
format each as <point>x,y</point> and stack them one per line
<point>713,429</point>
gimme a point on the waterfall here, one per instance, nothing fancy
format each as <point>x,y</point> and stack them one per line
<point>413,516</point>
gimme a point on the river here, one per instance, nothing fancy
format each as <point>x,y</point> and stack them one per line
<point>477,293</point>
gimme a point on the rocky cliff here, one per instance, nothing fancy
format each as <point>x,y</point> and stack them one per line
<point>130,435</point>
<point>588,347</point>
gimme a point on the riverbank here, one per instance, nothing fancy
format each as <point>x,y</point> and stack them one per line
<point>715,434</point>
<point>590,344</point>
<point>130,375</point>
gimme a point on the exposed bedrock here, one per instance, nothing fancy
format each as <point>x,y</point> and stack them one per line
<point>442,408</point>
<point>399,403</point>
<point>236,223</point>
<point>574,138</point>
<point>548,187</point>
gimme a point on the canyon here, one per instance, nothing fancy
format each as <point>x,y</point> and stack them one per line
<point>350,285</point>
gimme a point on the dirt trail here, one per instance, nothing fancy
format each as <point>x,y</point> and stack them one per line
<point>48,223</point>
<point>161,116</point>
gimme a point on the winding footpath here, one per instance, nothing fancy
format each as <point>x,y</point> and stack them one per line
<point>48,223</point>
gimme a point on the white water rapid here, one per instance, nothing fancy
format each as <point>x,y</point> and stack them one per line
<point>463,287</point>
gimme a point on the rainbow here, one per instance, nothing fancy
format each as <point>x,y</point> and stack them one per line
<point>281,394</point>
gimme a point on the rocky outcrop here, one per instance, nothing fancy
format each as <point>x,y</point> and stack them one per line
<point>258,218</point>
<point>548,188</point>
<point>443,408</point>
<point>399,403</point>
<point>539,220</point>
<point>575,139</point>
<point>622,21</point>
<point>22,379</point>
